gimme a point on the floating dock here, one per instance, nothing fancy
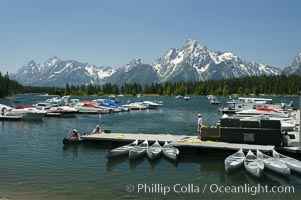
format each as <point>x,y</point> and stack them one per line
<point>187,141</point>
<point>10,118</point>
<point>180,141</point>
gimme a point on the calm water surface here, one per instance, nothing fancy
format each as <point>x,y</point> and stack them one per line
<point>35,165</point>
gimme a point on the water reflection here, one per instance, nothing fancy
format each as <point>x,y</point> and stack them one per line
<point>72,149</point>
<point>115,162</point>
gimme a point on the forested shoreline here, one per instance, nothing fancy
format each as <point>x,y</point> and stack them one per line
<point>268,85</point>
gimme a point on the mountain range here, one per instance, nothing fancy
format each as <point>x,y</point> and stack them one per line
<point>192,61</point>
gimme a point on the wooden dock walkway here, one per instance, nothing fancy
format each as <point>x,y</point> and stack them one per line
<point>179,141</point>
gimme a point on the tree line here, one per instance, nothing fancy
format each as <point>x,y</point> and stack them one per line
<point>8,87</point>
<point>268,85</point>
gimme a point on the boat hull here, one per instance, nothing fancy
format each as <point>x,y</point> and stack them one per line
<point>136,153</point>
<point>279,169</point>
<point>231,166</point>
<point>170,152</point>
<point>121,151</point>
<point>67,141</point>
<point>253,165</point>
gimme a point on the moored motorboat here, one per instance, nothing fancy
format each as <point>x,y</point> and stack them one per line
<point>121,151</point>
<point>90,107</point>
<point>139,150</point>
<point>136,106</point>
<point>253,165</point>
<point>151,104</point>
<point>234,161</point>
<point>170,151</point>
<point>62,111</point>
<point>292,163</point>
<point>27,113</point>
<point>154,151</point>
<point>273,164</point>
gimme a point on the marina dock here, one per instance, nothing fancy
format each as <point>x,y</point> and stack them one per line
<point>180,141</point>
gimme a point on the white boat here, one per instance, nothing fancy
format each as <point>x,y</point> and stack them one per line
<point>170,151</point>
<point>151,104</point>
<point>253,165</point>
<point>42,106</point>
<point>292,163</point>
<point>186,97</point>
<point>273,164</point>
<point>138,151</point>
<point>27,113</point>
<point>213,99</point>
<point>121,151</point>
<point>4,109</point>
<point>90,107</point>
<point>178,96</point>
<point>263,111</point>
<point>62,111</point>
<point>154,151</point>
<point>243,103</point>
<point>234,161</point>
<point>136,106</point>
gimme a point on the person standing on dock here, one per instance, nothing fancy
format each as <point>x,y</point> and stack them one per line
<point>200,124</point>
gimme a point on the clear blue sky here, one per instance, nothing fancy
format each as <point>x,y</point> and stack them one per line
<point>113,32</point>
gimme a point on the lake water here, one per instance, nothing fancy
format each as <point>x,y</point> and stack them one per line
<point>34,164</point>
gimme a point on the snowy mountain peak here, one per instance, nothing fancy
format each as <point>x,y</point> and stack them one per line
<point>31,63</point>
<point>52,61</point>
<point>190,43</point>
<point>136,61</point>
<point>295,68</point>
<point>195,62</point>
<point>297,58</point>
<point>132,64</point>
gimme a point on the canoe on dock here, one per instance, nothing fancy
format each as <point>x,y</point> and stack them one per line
<point>170,151</point>
<point>234,161</point>
<point>292,163</point>
<point>154,151</point>
<point>139,150</point>
<point>253,165</point>
<point>274,164</point>
<point>122,151</point>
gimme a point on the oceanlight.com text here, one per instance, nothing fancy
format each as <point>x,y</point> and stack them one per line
<point>162,189</point>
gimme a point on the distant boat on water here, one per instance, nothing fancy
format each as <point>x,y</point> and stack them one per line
<point>186,98</point>
<point>179,96</point>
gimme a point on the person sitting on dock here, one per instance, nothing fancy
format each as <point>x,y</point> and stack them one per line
<point>75,135</point>
<point>200,124</point>
<point>97,129</point>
